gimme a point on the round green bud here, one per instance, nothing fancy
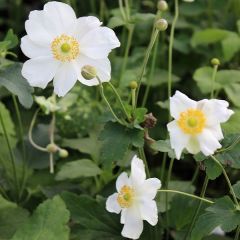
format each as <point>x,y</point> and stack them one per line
<point>89,72</point>
<point>133,85</point>
<point>215,62</point>
<point>52,148</point>
<point>161,24</point>
<point>162,6</point>
<point>63,153</point>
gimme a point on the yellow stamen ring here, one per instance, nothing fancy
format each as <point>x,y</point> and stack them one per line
<point>65,48</point>
<point>125,197</point>
<point>192,121</point>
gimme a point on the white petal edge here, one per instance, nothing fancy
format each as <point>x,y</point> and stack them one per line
<point>179,103</point>
<point>193,145</point>
<point>33,50</point>
<point>138,174</point>
<point>40,71</point>
<point>178,139</point>
<point>149,211</point>
<point>64,79</point>
<point>122,180</point>
<point>99,42</point>
<point>208,142</point>
<point>133,226</point>
<point>112,204</point>
<point>150,187</point>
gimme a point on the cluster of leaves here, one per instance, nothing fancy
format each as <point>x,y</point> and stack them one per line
<point>71,203</point>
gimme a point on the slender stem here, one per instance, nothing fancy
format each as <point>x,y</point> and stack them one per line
<point>145,61</point>
<point>143,157</point>
<point>186,194</point>
<point>127,9</point>
<point>30,133</point>
<point>195,175</point>
<point>231,146</point>
<point>122,10</point>
<point>170,50</point>
<point>204,188</point>
<point>119,99</point>
<point>163,166</point>
<point>145,97</point>
<point>106,101</point>
<point>215,68</point>
<point>11,154</point>
<point>237,235</point>
<point>133,93</point>
<point>167,183</point>
<point>227,179</point>
<point>52,130</point>
<point>126,53</point>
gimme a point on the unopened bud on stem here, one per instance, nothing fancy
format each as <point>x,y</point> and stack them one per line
<point>133,85</point>
<point>162,6</point>
<point>89,72</point>
<point>161,24</point>
<point>63,153</point>
<point>52,148</point>
<point>215,62</point>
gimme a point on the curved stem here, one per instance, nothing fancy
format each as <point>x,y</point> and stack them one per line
<point>11,154</point>
<point>231,146</point>
<point>204,188</point>
<point>30,133</point>
<point>215,68</point>
<point>170,50</point>
<point>227,179</point>
<point>106,101</point>
<point>186,194</point>
<point>119,99</point>
<point>146,58</point>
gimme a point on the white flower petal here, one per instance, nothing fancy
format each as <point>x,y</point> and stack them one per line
<point>40,71</point>
<point>178,139</point>
<point>122,180</point>
<point>123,215</point>
<point>85,25</point>
<point>216,131</point>
<point>180,103</point>
<point>216,111</point>
<point>149,188</point>
<point>193,146</point>
<point>61,17</point>
<point>99,42</point>
<point>112,204</point>
<point>149,211</point>
<point>64,79</point>
<point>103,67</point>
<point>133,226</point>
<point>37,30</point>
<point>208,142</point>
<point>32,50</point>
<point>138,174</point>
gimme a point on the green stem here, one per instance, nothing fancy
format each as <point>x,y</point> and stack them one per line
<point>231,146</point>
<point>204,188</point>
<point>186,194</point>
<point>153,65</point>
<point>133,93</point>
<point>170,50</point>
<point>227,179</point>
<point>145,61</point>
<point>30,133</point>
<point>167,183</point>
<point>119,99</point>
<point>52,130</point>
<point>215,68</point>
<point>127,9</point>
<point>143,157</point>
<point>195,175</point>
<point>126,53</point>
<point>237,235</point>
<point>11,154</point>
<point>106,101</point>
<point>163,166</point>
<point>122,10</point>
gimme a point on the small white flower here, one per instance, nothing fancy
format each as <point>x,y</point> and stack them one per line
<point>59,45</point>
<point>196,125</point>
<point>135,199</point>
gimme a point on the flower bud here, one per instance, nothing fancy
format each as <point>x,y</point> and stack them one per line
<point>162,6</point>
<point>161,24</point>
<point>133,85</point>
<point>63,153</point>
<point>215,62</point>
<point>89,72</point>
<point>52,148</point>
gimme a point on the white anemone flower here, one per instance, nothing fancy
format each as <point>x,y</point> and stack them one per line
<point>59,45</point>
<point>135,199</point>
<point>196,125</point>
